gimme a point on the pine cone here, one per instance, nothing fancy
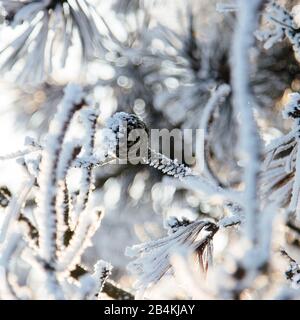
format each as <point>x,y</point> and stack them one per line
<point>129,132</point>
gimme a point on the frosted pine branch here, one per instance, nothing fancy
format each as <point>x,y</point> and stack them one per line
<point>201,69</point>
<point>52,248</point>
<point>69,153</point>
<point>14,208</point>
<point>153,258</point>
<point>46,213</point>
<point>51,24</point>
<point>243,102</point>
<point>217,97</point>
<point>280,25</point>
<point>89,121</point>
<point>280,175</point>
<point>117,145</point>
<point>167,166</point>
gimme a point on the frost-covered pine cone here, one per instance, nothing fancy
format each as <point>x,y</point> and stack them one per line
<point>125,141</point>
<point>123,126</point>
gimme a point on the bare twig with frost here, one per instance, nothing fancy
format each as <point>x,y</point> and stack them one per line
<point>207,118</point>
<point>102,271</point>
<point>258,216</point>
<point>32,146</point>
<point>72,102</point>
<point>7,289</point>
<point>89,120</point>
<point>51,244</point>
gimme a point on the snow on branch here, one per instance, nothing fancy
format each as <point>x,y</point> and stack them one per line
<point>280,25</point>
<point>46,214</point>
<point>258,215</point>
<point>217,96</point>
<point>89,120</point>
<point>102,271</point>
<point>167,166</point>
